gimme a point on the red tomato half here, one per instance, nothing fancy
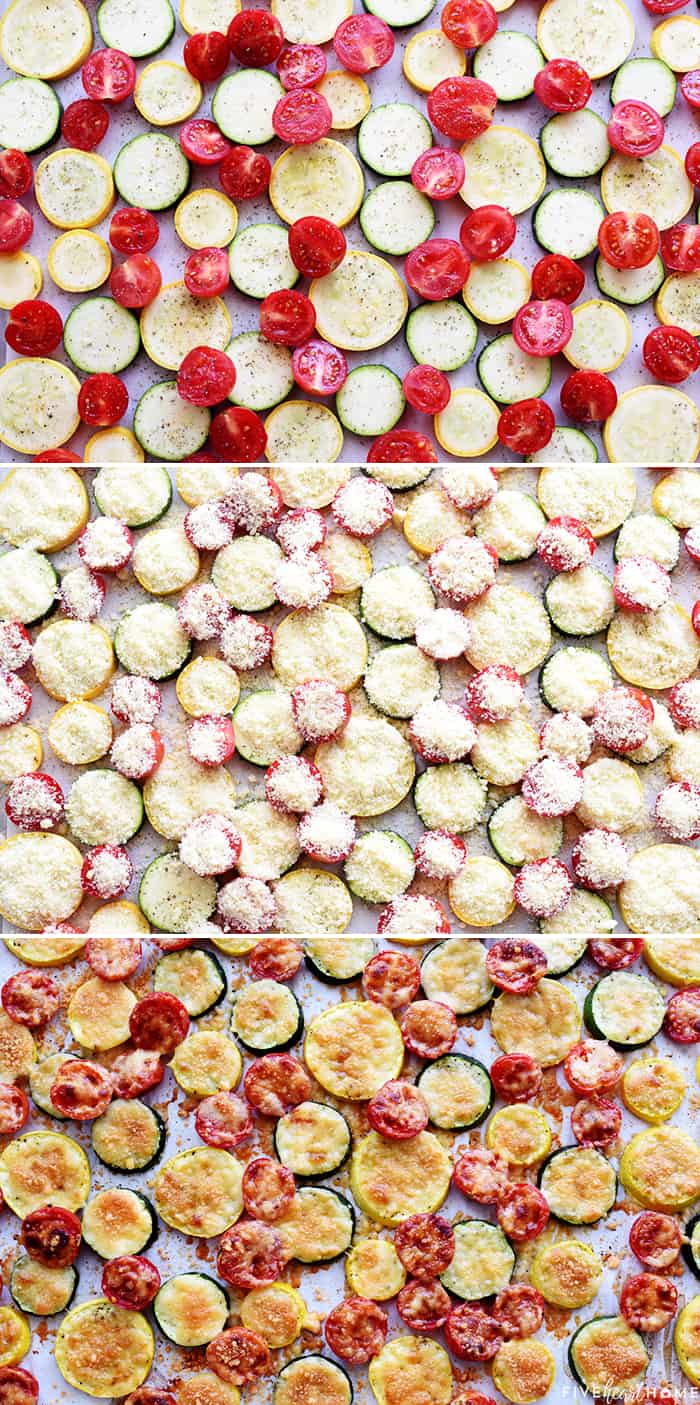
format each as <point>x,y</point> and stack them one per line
<point>543,327</point>
<point>244,173</point>
<point>468,23</point>
<point>427,389</point>
<point>671,354</point>
<point>103,400</point>
<point>206,55</point>
<point>287,318</point>
<point>363,42</point>
<point>587,397</point>
<point>84,123</point>
<point>656,1239</point>
<point>562,86</point>
<point>316,246</point>
<point>14,1109</point>
<point>403,446</point>
<point>398,1110</point>
<point>356,1329</point>
<point>158,1022</point>
<point>16,174</point>
<point>661,7</point>
<point>34,328</point>
<point>255,38</point>
<point>301,117</point>
<point>635,128</point>
<point>206,376</point>
<point>206,273</point>
<point>319,368</point>
<point>81,1090</point>
<point>16,225</point>
<point>526,426</point>
<point>17,1386</point>
<point>556,276</point>
<point>628,240</point>
<point>268,1189</point>
<point>437,269</point>
<point>238,435</point>
<point>690,83</point>
<point>438,173</point>
<point>136,282</point>
<point>30,998</point>
<point>109,75</point>
<point>486,233</point>
<point>203,143</point>
<point>301,65</point>
<point>425,1244</point>
<point>680,248</point>
<point>133,231</point>
<point>130,1281</point>
<point>111,958</point>
<point>462,108</point>
<point>57,456</point>
<point>692,161</point>
<point>51,1236</point>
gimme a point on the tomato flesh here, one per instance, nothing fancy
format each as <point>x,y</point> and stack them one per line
<point>671,354</point>
<point>16,225</point>
<point>244,173</point>
<point>398,1110</point>
<point>239,435</point>
<point>206,272</point>
<point>526,426</point>
<point>255,38</point>
<point>363,42</point>
<point>680,248</point>
<point>628,240</point>
<point>635,128</point>
<point>130,1281</point>
<point>588,396</point>
<point>316,246</point>
<point>109,75</point>
<point>51,1236</point>
<point>557,276</point>
<point>302,116</point>
<point>203,143</point>
<point>425,1245</point>
<point>468,23</point>
<point>543,327</point>
<point>319,368</point>
<point>103,399</point>
<point>562,86</point>
<point>206,376</point>
<point>136,282</point>
<point>287,318</point>
<point>84,123</point>
<point>301,66</point>
<point>462,108</point>
<point>488,232</point>
<point>437,269</point>
<point>206,56</point>
<point>438,173</point>
<point>356,1329</point>
<point>427,389</point>
<point>133,231</point>
<point>690,85</point>
<point>403,446</point>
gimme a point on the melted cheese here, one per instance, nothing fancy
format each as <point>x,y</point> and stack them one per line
<point>568,1273</point>
<point>411,1371</point>
<point>390,1180</point>
<point>660,1167</point>
<point>206,1062</point>
<point>545,1024</point>
<point>353,1048</point>
<point>44,1168</point>
<point>104,1350</point>
<point>579,1185</point>
<point>199,1192</point>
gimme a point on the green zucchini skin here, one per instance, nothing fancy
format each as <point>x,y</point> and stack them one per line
<point>348,1210</point>
<point>331,1167</point>
<point>154,1230</point>
<point>171,960</point>
<point>575,1370</point>
<point>159,1315</point>
<point>542,1177</point>
<point>482,1075</point>
<point>28,1304</point>
<point>592,1017</point>
<point>691,1245</point>
<point>159,1134</point>
<point>277,1046</point>
<point>298,1362</point>
<point>325,974</point>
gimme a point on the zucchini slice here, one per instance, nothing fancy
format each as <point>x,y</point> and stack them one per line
<point>40,1290</point>
<point>245,573</point>
<point>510,523</point>
<point>353,1048</point>
<point>104,1350</point>
<point>181,791</point>
<point>648,534</point>
<point>442,334</point>
<point>42,1076</point>
<point>135,494</point>
<point>196,977</point>
<point>575,144</point>
<point>580,602</point>
<point>370,768</point>
<point>509,62</point>
<point>129,1136</point>
<point>520,836</point>
<point>572,680</point>
<point>20,751</point>
<point>198,1192</point>
<point>313,1140</point>
<point>380,866</point>
<point>190,1309</point>
<point>166,426</point>
<point>579,490</point>
<point>509,374</point>
<point>270,843</point>
<point>390,1180</point>
<point>263,371</point>
<point>483,1261</point>
<point>579,1184</point>
<point>243,104</point>
<point>395,218</point>
<point>504,750</point>
<point>629,285</point>
<point>174,899</point>
<point>28,586</point>
<point>266,1017</point>
<point>104,808</point>
<point>150,641</point>
<point>567,1273</point>
<point>303,431</point>
<point>458,1091</point>
<point>454,973</point>
<point>137,29</point>
<point>265,727</point>
<point>691,1246</point>
<point>30,114</point>
<point>563,953</point>
<point>657,650</point>
<point>567,222</point>
<point>101,336</point>
<point>399,678</point>
<point>605,1354</point>
<point>119,1221</point>
<point>304,24</point>
<point>312,1378</point>
<point>311,900</point>
<point>508,626</point>
<point>450,796</point>
<point>685,1338</point>
<point>318,1226</point>
<point>660,1167</point>
<point>625,1008</point>
<point>391,138</point>
<point>338,962</point>
<point>600,40</point>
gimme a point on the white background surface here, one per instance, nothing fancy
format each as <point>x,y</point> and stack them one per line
<point>387,84</point>
<point>324,1286</point>
<point>389,548</point>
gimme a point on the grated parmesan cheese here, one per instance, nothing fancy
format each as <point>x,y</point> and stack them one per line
<point>566,734</point>
<point>135,753</point>
<point>253,503</point>
<point>293,785</point>
<point>543,888</point>
<point>321,710</point>
<point>509,626</point>
<point>468,486</point>
<point>246,643</point>
<point>677,810</point>
<point>661,892</point>
<point>442,731</point>
<point>440,854</point>
<point>39,881</point>
<point>43,508</point>
<point>135,699</point>
<point>105,544</point>
<point>621,719</point>
<point>327,833</point>
<point>165,561</point>
<point>662,734</point>
<point>348,561</point>
<point>613,797</point>
<point>363,507</point>
<point>301,531</point>
<point>15,698</point>
<point>246,905</point>
<point>15,645</point>
<point>684,758</point>
<point>309,485</point>
<point>463,569</point>
<point>82,593</point>
<point>443,634</point>
<point>198,482</point>
<point>108,871</point>
<point>639,583</point>
<point>73,659</point>
<point>203,612</point>
<point>504,750</point>
<point>303,581</point>
<point>209,526</point>
<point>210,845</point>
<point>565,544</point>
<point>27,586</point>
<point>20,751</point>
<point>414,913</point>
<point>600,859</point>
<point>80,733</point>
<point>495,693</point>
<point>208,685</point>
<point>552,786</point>
<point>649,535</point>
<point>684,703</point>
<point>35,801</point>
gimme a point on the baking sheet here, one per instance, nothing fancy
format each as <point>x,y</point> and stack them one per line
<point>390,548</point>
<point>386,85</point>
<point>323,1287</point>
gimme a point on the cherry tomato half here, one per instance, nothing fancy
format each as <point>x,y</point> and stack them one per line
<point>244,173</point>
<point>588,397</point>
<point>206,273</point>
<point>16,225</point>
<point>468,23</point>
<point>206,56</point>
<point>238,435</point>
<point>206,376</point>
<point>437,269</point>
<point>462,108</point>
<point>680,248</point>
<point>51,1236</point>
<point>556,276</point>
<point>103,400</point>
<point>301,65</point>
<point>635,128</point>
<point>109,75</point>
<point>255,38</point>
<point>628,239</point>
<point>17,1386</point>
<point>671,354</point>
<point>363,42</point>
<point>488,232</point>
<point>203,143</point>
<point>427,389</point>
<point>130,1281</point>
<point>543,327</point>
<point>316,246</point>
<point>136,282</point>
<point>562,86</point>
<point>692,162</point>
<point>84,123</point>
<point>690,87</point>
<point>16,173</point>
<point>287,318</point>
<point>34,328</point>
<point>403,446</point>
<point>526,426</point>
<point>302,116</point>
<point>133,231</point>
<point>438,173</point>
<point>319,368</point>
